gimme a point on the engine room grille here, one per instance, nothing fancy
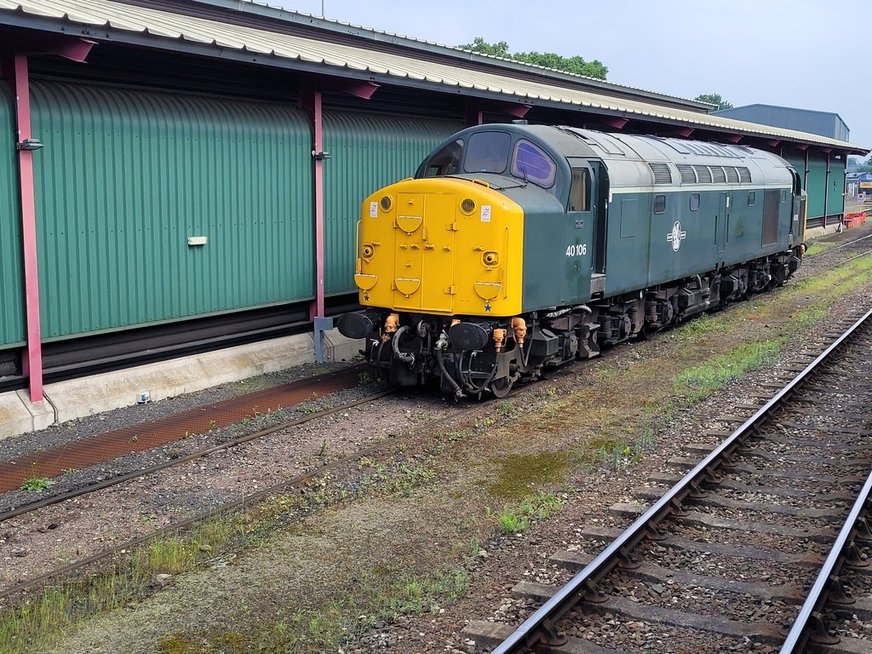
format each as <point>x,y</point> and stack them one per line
<point>687,174</point>
<point>707,174</point>
<point>662,174</point>
<point>703,174</point>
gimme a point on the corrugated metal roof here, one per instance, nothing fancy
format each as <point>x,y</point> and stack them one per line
<point>256,8</point>
<point>120,19</point>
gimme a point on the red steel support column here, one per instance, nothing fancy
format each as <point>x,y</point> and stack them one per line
<point>317,309</point>
<point>32,363</point>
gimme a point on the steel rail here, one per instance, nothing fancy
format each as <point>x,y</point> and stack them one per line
<point>841,245</point>
<point>137,474</point>
<point>181,525</point>
<point>820,590</point>
<point>857,256</point>
<point>541,622</point>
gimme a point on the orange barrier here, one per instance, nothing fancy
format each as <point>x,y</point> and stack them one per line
<point>854,219</point>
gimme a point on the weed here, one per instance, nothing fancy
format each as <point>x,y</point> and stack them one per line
<point>420,595</point>
<point>309,408</point>
<point>515,518</point>
<point>699,382</point>
<point>364,378</point>
<point>505,408</point>
<point>611,457</point>
<point>322,489</point>
<point>407,478</point>
<point>325,448</point>
<point>817,248</point>
<point>170,556</point>
<point>602,374</point>
<point>213,425</point>
<point>484,423</point>
<point>454,436</point>
<point>36,484</point>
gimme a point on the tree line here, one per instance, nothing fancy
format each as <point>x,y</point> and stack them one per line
<point>575,64</point>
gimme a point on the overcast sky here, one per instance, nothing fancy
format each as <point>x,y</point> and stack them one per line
<point>794,53</point>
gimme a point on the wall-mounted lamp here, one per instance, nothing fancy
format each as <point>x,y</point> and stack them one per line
<point>320,156</point>
<point>28,145</point>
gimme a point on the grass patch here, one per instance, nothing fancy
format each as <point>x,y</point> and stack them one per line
<point>854,273</point>
<point>383,596</point>
<point>817,248</point>
<point>36,484</point>
<point>698,382</point>
<point>518,517</point>
<point>41,619</point>
<point>703,325</point>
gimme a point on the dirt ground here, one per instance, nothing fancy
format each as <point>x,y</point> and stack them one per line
<point>404,568</point>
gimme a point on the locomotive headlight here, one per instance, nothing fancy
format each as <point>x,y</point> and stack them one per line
<point>386,203</point>
<point>467,205</point>
<point>490,259</point>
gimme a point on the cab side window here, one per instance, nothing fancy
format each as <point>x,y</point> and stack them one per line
<point>579,190</point>
<point>530,163</point>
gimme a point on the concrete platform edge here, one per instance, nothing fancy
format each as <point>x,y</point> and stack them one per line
<point>76,398</point>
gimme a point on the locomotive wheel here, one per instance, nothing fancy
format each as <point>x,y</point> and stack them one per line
<point>648,332</point>
<point>501,387</point>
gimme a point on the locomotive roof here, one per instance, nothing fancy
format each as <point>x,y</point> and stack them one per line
<point>637,160</point>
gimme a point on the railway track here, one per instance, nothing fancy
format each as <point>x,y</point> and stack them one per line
<point>760,547</point>
<point>839,254</point>
<point>89,451</point>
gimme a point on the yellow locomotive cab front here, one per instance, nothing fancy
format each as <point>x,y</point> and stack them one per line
<point>443,246</point>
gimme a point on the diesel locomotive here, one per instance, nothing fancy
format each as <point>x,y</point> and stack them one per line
<point>517,248</point>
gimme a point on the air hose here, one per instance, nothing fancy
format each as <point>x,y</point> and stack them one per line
<point>405,357</point>
<point>441,343</point>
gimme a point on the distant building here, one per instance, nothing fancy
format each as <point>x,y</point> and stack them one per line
<point>824,123</point>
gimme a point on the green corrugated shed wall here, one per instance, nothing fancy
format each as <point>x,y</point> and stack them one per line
<point>127,175</point>
<point>367,152</point>
<point>836,199</point>
<point>816,181</point>
<point>817,173</point>
<point>11,271</point>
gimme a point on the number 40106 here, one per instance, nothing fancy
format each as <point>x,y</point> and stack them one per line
<point>576,250</point>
